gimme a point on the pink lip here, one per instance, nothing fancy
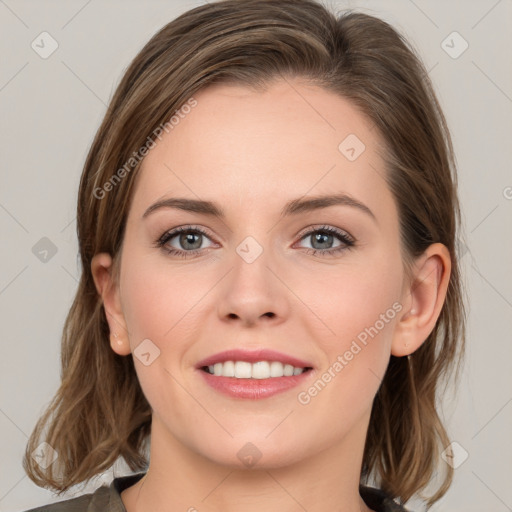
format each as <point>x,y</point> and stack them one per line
<point>253,357</point>
<point>254,388</point>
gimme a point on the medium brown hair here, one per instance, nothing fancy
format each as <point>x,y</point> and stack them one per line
<point>99,412</point>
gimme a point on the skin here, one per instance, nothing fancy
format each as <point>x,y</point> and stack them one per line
<point>251,152</point>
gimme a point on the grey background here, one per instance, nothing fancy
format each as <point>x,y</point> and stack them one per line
<point>50,109</point>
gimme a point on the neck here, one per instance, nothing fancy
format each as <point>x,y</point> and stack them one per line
<point>181,479</point>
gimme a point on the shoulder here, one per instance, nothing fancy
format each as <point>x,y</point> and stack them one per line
<point>99,498</point>
<point>103,499</point>
<point>379,501</point>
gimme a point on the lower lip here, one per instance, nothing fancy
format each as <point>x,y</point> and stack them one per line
<point>253,389</point>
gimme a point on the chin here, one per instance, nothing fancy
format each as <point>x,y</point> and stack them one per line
<point>254,451</point>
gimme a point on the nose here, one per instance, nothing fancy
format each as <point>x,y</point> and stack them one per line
<point>252,293</point>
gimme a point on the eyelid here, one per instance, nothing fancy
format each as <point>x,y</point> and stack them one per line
<point>171,233</point>
<point>325,227</point>
<point>343,236</point>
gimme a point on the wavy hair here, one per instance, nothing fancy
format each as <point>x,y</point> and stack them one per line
<point>99,413</point>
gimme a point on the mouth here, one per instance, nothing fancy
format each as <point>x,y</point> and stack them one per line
<point>257,370</point>
<point>253,375</point>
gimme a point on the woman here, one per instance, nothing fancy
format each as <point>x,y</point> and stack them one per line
<point>267,221</point>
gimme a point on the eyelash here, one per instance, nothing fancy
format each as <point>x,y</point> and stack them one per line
<point>169,235</point>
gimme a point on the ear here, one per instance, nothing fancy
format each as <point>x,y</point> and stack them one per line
<point>423,300</point>
<point>103,275</point>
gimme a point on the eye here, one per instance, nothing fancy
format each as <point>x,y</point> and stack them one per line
<point>323,238</point>
<point>184,241</point>
<point>187,241</point>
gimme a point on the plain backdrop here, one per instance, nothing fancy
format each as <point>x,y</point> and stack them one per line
<point>50,109</point>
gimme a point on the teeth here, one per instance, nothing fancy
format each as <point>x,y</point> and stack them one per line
<point>259,370</point>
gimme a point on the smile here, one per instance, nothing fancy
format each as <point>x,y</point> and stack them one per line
<point>257,370</point>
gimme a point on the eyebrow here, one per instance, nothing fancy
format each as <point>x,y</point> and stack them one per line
<point>293,207</point>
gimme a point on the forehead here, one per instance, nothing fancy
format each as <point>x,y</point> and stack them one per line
<point>239,146</point>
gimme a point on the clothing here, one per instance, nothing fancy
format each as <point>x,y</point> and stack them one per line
<point>108,499</point>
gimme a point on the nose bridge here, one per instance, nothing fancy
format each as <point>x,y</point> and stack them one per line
<point>251,292</point>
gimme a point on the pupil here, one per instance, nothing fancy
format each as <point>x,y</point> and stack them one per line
<point>189,238</point>
<point>323,239</point>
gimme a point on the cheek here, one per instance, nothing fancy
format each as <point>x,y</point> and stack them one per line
<point>147,312</point>
<point>351,303</point>
<point>357,313</point>
<point>158,304</point>
<point>360,311</point>
<point>164,303</point>
<point>153,299</point>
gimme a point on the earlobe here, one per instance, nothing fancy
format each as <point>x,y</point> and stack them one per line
<point>426,297</point>
<point>120,345</point>
<point>102,272</point>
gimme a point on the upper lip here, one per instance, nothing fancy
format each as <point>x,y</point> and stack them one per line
<point>253,356</point>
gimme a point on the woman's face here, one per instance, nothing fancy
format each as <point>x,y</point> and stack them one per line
<point>266,275</point>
